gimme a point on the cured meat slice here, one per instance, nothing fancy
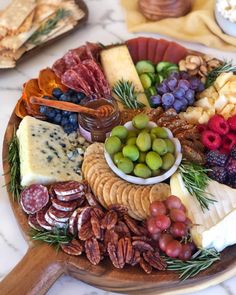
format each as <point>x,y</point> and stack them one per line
<point>73,221</point>
<point>58,215</point>
<point>174,53</point>
<point>40,216</point>
<point>34,198</point>
<point>142,48</point>
<point>69,187</point>
<point>160,50</point>
<point>151,49</point>
<point>77,196</point>
<point>59,67</point>
<point>32,221</point>
<point>91,200</point>
<point>55,223</point>
<point>133,48</point>
<point>71,59</point>
<point>72,80</point>
<point>63,206</point>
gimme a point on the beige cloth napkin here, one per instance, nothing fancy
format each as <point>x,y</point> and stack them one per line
<point>198,26</point>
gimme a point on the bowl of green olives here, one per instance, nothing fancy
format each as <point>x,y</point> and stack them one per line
<point>141,152</point>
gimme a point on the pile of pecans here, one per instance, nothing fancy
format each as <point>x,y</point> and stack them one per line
<point>199,65</point>
<point>114,234</point>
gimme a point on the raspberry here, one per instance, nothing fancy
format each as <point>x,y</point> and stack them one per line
<point>215,158</point>
<point>218,124</point>
<point>233,152</point>
<point>231,167</point>
<point>210,139</point>
<point>201,127</point>
<point>229,140</point>
<point>218,174</point>
<point>232,123</point>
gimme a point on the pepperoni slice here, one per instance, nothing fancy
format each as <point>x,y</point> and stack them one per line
<point>32,221</point>
<point>151,49</point>
<point>174,53</point>
<point>63,206</point>
<point>160,50</point>
<point>133,48</point>
<point>68,188</point>
<point>58,215</point>
<point>142,48</point>
<point>34,198</point>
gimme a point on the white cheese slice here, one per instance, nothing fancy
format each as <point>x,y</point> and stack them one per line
<point>214,227</point>
<point>44,150</point>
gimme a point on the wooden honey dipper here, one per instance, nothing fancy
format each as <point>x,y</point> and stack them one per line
<point>100,112</point>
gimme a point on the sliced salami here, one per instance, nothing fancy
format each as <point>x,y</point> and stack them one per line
<point>32,221</point>
<point>58,215</point>
<point>55,223</point>
<point>34,198</point>
<point>68,198</point>
<point>40,216</point>
<point>91,200</point>
<point>69,187</point>
<point>73,220</point>
<point>63,206</point>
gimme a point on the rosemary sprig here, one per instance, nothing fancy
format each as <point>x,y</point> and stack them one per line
<point>55,237</point>
<point>14,163</point>
<point>127,95</point>
<point>200,261</point>
<point>48,26</point>
<point>224,68</point>
<point>195,179</point>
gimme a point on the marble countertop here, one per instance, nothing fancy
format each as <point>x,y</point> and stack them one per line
<point>106,25</point>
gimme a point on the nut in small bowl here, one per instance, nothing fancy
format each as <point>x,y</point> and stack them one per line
<point>138,165</point>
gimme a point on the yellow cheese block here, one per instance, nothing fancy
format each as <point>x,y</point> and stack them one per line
<point>117,65</point>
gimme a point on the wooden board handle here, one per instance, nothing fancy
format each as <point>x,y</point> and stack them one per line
<point>35,273</point>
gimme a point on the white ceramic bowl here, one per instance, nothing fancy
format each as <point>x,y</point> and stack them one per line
<point>150,180</point>
<point>226,25</point>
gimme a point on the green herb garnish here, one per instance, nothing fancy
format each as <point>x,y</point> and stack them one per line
<point>224,68</point>
<point>200,261</point>
<point>14,163</point>
<point>127,94</point>
<point>195,179</point>
<point>55,237</point>
<point>48,26</point>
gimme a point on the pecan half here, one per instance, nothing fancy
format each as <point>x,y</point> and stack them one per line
<point>92,251</point>
<point>145,266</point>
<point>119,209</point>
<point>109,220</point>
<point>74,247</point>
<point>122,229</point>
<point>110,236</point>
<point>112,252</point>
<point>96,228</point>
<point>132,225</point>
<point>86,231</point>
<point>154,260</point>
<point>142,246</point>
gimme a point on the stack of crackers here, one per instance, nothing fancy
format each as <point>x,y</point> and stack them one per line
<point>25,24</point>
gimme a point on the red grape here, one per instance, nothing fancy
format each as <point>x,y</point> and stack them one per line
<point>173,202</point>
<point>157,207</point>
<point>193,246</point>
<point>186,252</point>
<point>164,240</point>
<point>156,236</point>
<point>162,221</point>
<point>152,227</point>
<point>177,215</point>
<point>183,208</point>
<point>173,249</point>
<point>179,229</point>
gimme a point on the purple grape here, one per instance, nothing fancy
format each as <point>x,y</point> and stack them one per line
<point>184,75</point>
<point>189,95</point>
<point>179,93</point>
<point>162,88</point>
<point>155,100</point>
<point>174,75</point>
<point>168,99</point>
<point>194,83</point>
<point>201,87</point>
<point>184,84</point>
<point>177,105</point>
<point>172,83</point>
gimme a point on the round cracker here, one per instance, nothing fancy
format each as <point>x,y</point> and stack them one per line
<point>95,168</point>
<point>98,191</point>
<point>120,190</point>
<point>106,190</point>
<point>102,173</point>
<point>131,203</point>
<point>114,191</point>
<point>145,200</point>
<point>95,148</point>
<point>88,162</point>
<point>138,203</point>
<point>159,192</point>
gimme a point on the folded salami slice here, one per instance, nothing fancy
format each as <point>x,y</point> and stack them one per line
<point>63,206</point>
<point>55,223</point>
<point>32,221</point>
<point>68,188</point>
<point>58,215</point>
<point>34,198</point>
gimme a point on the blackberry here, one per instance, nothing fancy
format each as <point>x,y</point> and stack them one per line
<point>215,158</point>
<point>233,152</point>
<point>231,167</point>
<point>231,182</point>
<point>218,174</point>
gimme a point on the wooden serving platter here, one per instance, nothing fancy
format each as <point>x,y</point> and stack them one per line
<point>42,264</point>
<point>34,51</point>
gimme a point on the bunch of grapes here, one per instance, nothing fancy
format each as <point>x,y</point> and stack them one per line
<point>177,91</point>
<point>169,226</point>
<point>68,120</point>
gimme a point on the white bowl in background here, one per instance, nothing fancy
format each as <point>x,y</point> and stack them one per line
<point>150,180</point>
<point>226,25</point>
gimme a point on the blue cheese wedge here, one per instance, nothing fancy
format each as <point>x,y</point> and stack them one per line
<point>47,153</point>
<point>214,227</point>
